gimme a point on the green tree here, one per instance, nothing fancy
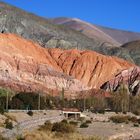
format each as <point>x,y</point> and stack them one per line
<point>120,100</point>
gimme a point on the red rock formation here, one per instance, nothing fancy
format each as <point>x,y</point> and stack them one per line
<point>92,68</point>
<point>129,77</point>
<point>25,65</point>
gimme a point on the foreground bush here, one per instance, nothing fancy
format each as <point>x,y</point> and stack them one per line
<point>75,123</point>
<point>84,125</point>
<point>63,127</point>
<point>64,121</point>
<point>1,110</point>
<point>40,135</point>
<point>88,121</point>
<point>47,126</point>
<point>8,124</point>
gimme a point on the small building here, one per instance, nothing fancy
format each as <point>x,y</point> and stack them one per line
<point>71,113</point>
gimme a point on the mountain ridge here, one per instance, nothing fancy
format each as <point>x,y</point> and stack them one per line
<point>26,66</point>
<point>118,36</point>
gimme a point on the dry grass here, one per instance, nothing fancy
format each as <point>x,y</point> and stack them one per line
<point>40,135</point>
<point>17,117</point>
<point>10,117</point>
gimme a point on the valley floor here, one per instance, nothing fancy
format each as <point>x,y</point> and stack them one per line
<point>100,126</point>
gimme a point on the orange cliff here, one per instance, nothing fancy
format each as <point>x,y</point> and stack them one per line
<point>92,68</point>
<point>26,66</point>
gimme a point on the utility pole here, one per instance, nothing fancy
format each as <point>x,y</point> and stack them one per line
<point>39,101</point>
<point>7,102</point>
<point>84,104</point>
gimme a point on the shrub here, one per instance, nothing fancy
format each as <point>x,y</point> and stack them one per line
<point>30,113</point>
<point>124,112</point>
<point>138,121</point>
<point>88,121</point>
<point>136,125</point>
<point>73,123</point>
<point>47,126</point>
<point>8,124</point>
<point>101,111</point>
<point>136,112</point>
<point>64,121</point>
<point>1,110</point>
<point>133,119</point>
<point>84,125</point>
<point>81,119</point>
<point>119,119</point>
<point>63,127</point>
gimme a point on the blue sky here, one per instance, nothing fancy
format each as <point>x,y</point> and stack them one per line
<point>120,14</point>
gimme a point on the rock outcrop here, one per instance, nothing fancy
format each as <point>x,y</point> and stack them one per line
<point>92,68</point>
<point>129,77</point>
<point>26,66</point>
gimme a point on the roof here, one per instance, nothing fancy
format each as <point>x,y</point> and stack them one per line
<point>71,109</point>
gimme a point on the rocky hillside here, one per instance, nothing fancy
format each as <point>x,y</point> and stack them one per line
<point>130,78</point>
<point>134,50</point>
<point>114,36</point>
<point>26,66</point>
<point>92,68</point>
<point>47,34</point>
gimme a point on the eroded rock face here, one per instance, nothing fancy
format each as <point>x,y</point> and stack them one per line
<point>25,66</point>
<point>91,68</point>
<point>129,77</point>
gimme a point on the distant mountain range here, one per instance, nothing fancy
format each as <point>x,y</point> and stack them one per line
<point>49,34</point>
<point>116,37</point>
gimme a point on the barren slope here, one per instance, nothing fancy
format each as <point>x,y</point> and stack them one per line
<point>47,34</point>
<point>114,36</point>
<point>92,68</point>
<point>26,66</point>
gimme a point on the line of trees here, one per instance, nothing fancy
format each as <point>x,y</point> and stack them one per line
<point>120,101</point>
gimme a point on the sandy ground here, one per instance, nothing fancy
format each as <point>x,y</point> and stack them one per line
<point>103,128</point>
<point>108,129</point>
<point>99,127</point>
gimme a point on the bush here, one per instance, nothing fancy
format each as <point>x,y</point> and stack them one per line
<point>138,121</point>
<point>133,119</point>
<point>88,121</point>
<point>63,127</point>
<point>8,124</point>
<point>73,123</point>
<point>101,111</point>
<point>136,125</point>
<point>1,110</point>
<point>136,112</point>
<point>84,125</point>
<point>124,112</point>
<point>119,119</point>
<point>30,113</point>
<point>81,119</point>
<point>47,126</point>
<point>64,121</point>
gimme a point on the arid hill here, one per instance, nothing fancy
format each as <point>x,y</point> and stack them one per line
<point>26,66</point>
<point>114,36</point>
<point>130,78</point>
<point>134,50</point>
<point>48,34</point>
